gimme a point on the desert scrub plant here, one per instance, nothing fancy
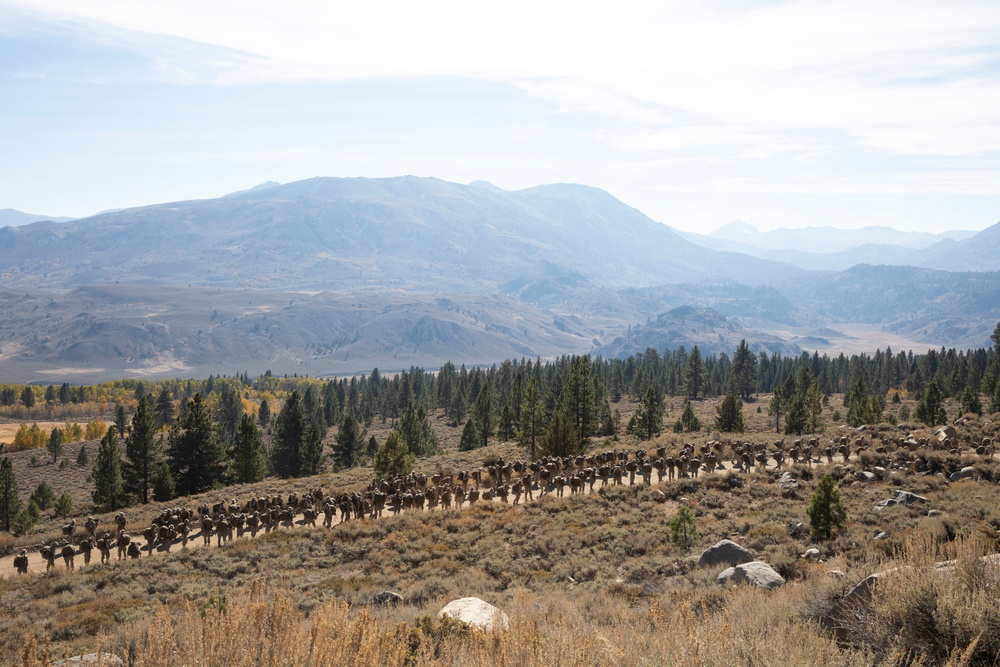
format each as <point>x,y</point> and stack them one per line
<point>930,612</point>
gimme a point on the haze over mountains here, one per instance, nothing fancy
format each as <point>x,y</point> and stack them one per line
<point>342,275</point>
<point>11,218</point>
<point>829,248</point>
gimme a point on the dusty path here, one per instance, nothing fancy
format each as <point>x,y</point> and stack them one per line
<point>37,565</point>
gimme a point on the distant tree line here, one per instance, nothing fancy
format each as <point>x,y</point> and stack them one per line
<point>188,436</point>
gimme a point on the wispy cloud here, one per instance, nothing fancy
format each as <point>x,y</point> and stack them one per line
<point>755,91</point>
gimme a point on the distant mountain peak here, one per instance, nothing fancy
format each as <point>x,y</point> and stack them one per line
<point>735,228</point>
<point>486,185</point>
<point>266,185</point>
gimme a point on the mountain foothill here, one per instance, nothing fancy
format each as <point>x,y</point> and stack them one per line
<point>340,275</point>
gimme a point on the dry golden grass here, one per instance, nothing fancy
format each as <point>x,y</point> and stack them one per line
<point>586,580</point>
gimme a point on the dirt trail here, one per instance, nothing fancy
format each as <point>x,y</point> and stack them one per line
<point>36,565</point>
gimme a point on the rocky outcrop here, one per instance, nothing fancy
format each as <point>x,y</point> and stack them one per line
<point>725,552</point>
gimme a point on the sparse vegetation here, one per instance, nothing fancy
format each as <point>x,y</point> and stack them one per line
<point>581,576</point>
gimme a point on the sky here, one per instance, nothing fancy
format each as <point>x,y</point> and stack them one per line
<point>778,114</point>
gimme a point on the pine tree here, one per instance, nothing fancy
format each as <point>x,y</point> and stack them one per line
<point>142,451</point>
<point>561,438</point>
<point>109,485</point>
<point>28,397</point>
<point>484,412</point>
<point>930,408</point>
<point>694,372</point>
<point>165,410</point>
<point>647,423</point>
<point>532,418</point>
<point>470,437</point>
<point>197,457</point>
<point>164,488</point>
<point>289,431</point>
<point>264,413</point>
<point>683,529</point>
<point>249,460</point>
<point>55,445</point>
<point>577,399</point>
<point>312,446</point>
<point>689,420</point>
<point>826,509</point>
<point>730,415</point>
<point>230,410</point>
<point>392,459</point>
<point>83,458</point>
<point>43,496</point>
<point>349,443</point>
<point>121,420</point>
<point>744,369</point>
<point>416,431</point>
<point>63,506</point>
<point>10,504</point>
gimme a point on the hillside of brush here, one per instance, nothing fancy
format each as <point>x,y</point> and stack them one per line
<point>587,579</point>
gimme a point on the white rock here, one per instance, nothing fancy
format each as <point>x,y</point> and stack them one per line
<point>968,472</point>
<point>477,613</point>
<point>756,573</point>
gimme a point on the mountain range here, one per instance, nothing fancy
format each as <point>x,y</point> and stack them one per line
<point>334,275</point>
<point>12,218</point>
<point>832,249</point>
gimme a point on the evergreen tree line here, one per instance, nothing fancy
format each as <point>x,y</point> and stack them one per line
<point>550,408</point>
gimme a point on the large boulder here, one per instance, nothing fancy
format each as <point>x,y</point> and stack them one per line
<point>901,497</point>
<point>725,552</point>
<point>476,613</point>
<point>755,573</point>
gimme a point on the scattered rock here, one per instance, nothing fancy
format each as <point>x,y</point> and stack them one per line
<point>477,613</point>
<point>836,574</point>
<point>755,573</point>
<point>935,513</point>
<point>901,497</point>
<point>862,591</point>
<point>91,659</point>
<point>811,554</point>
<point>386,599</point>
<point>725,552</point>
<point>659,496</point>
<point>965,473</point>
<point>879,471</point>
<point>881,536</point>
<point>788,482</point>
<point>945,433</point>
<point>866,476</point>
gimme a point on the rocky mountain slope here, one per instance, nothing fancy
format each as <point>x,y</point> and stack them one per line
<point>342,275</point>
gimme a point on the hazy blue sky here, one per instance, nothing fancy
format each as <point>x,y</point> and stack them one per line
<point>780,114</point>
